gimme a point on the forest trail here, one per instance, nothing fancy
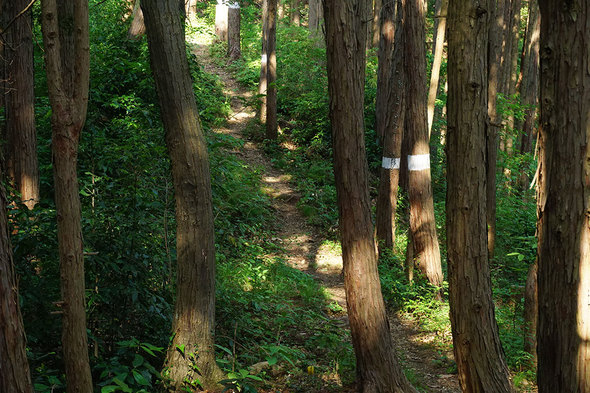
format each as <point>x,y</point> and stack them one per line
<point>305,249</point>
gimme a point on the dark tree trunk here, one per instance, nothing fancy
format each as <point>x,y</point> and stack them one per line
<point>19,95</point>
<point>15,376</point>
<point>234,51</point>
<point>376,26</point>
<point>422,222</point>
<point>194,315</point>
<point>137,28</point>
<point>377,367</point>
<point>563,202</point>
<point>531,315</point>
<point>477,348</point>
<point>389,122</point>
<point>271,77</point>
<point>67,61</point>
<point>263,83</point>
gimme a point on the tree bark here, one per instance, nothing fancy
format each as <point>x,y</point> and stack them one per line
<point>531,315</point>
<point>271,77</point>
<point>563,202</point>
<point>422,222</point>
<point>389,122</point>
<point>377,367</point>
<point>263,83</point>
<point>221,20</point>
<point>478,352</point>
<point>194,315</point>
<point>376,26</point>
<point>441,27</point>
<point>15,376</point>
<point>234,51</point>
<point>137,28</point>
<point>19,95</point>
<point>67,61</point>
<point>315,19</point>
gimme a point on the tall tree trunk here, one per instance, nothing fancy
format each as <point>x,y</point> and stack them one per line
<point>234,51</point>
<point>477,347</point>
<point>194,315</point>
<point>377,367</point>
<point>531,315</point>
<point>271,77</point>
<point>563,202</point>
<point>441,26</point>
<point>295,13</point>
<point>389,122</point>
<point>315,19</point>
<point>422,222</point>
<point>221,20</point>
<point>376,26</point>
<point>67,61</point>
<point>137,28</point>
<point>21,139</point>
<point>263,82</point>
<point>15,376</point>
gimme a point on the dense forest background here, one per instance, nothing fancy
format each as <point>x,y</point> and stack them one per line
<point>266,310</point>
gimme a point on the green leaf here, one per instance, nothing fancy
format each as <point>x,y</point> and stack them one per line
<point>108,389</point>
<point>138,360</point>
<point>180,348</point>
<point>272,360</point>
<point>140,379</point>
<point>225,349</point>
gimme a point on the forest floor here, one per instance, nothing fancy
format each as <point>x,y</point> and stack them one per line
<point>305,249</point>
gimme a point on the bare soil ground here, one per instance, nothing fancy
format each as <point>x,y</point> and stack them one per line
<point>304,247</point>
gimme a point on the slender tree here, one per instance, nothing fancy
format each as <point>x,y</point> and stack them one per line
<point>439,40</point>
<point>234,51</point>
<point>425,245</point>
<point>563,199</point>
<point>263,81</point>
<point>477,348</point>
<point>377,367</point>
<point>137,27</point>
<point>65,39</point>
<point>194,315</point>
<point>389,118</point>
<point>19,95</point>
<point>271,72</point>
<point>15,376</point>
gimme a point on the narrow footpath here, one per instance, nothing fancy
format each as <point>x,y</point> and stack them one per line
<point>303,247</point>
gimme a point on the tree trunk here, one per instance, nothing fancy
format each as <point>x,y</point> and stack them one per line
<point>21,139</point>
<point>563,202</point>
<point>439,41</point>
<point>377,367</point>
<point>194,315</point>
<point>137,28</point>
<point>531,304</point>
<point>15,376</point>
<point>190,8</point>
<point>316,17</point>
<point>233,36</point>
<point>263,83</point>
<point>376,27</point>
<point>67,61</point>
<point>422,223</point>
<point>221,20</point>
<point>389,122</point>
<point>295,14</point>
<point>271,77</point>
<point>477,347</point>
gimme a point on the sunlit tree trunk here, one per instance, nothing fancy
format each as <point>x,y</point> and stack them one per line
<point>67,61</point>
<point>263,81</point>
<point>422,223</point>
<point>194,315</point>
<point>221,20</point>
<point>478,352</point>
<point>563,199</point>
<point>441,26</point>
<point>377,367</point>
<point>271,69</point>
<point>137,28</point>
<point>389,122</point>
<point>234,51</point>
<point>19,95</point>
<point>15,376</point>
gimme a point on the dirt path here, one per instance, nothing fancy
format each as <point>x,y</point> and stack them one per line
<point>303,247</point>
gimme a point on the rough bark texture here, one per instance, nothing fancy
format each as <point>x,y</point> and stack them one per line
<point>441,27</point>
<point>221,20</point>
<point>376,26</point>
<point>531,315</point>
<point>263,83</point>
<point>137,28</point>
<point>67,62</point>
<point>271,76</point>
<point>389,122</point>
<point>194,315</point>
<point>377,367</point>
<point>315,18</point>
<point>563,199</point>
<point>15,376</point>
<point>234,51</point>
<point>19,95</point>
<point>478,353</point>
<point>422,224</point>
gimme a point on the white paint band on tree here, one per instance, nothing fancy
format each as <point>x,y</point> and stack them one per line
<point>233,5</point>
<point>390,163</point>
<point>263,59</point>
<point>419,162</point>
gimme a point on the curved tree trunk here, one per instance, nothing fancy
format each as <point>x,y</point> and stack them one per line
<point>377,368</point>
<point>477,347</point>
<point>21,139</point>
<point>563,199</point>
<point>422,222</point>
<point>194,315</point>
<point>67,60</point>
<point>15,376</point>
